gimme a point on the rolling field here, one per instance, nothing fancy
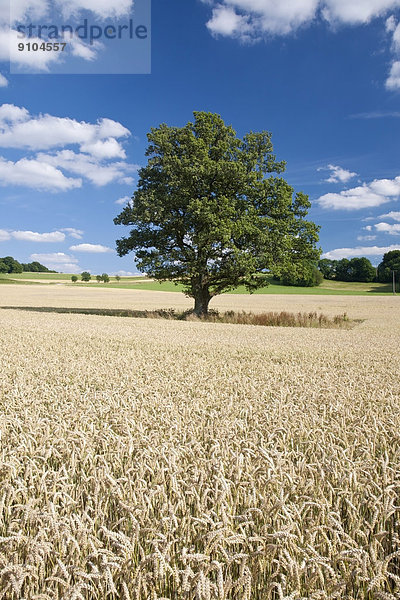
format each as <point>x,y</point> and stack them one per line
<point>327,288</point>
<point>152,459</point>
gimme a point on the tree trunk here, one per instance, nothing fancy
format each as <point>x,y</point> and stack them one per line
<point>201,301</point>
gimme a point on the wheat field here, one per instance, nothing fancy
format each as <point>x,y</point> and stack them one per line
<point>151,459</point>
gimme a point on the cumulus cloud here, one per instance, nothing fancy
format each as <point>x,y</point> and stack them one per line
<point>18,129</point>
<point>93,248</point>
<point>365,196</point>
<point>33,236</point>
<point>35,174</point>
<point>395,215</point>
<point>100,158</point>
<point>391,229</point>
<point>256,18</point>
<point>338,174</point>
<point>339,253</point>
<point>102,8</point>
<point>4,235</point>
<point>393,81</point>
<point>86,166</point>
<point>58,261</point>
<point>75,233</point>
<point>3,81</point>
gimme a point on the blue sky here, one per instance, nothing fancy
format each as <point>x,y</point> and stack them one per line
<point>322,75</point>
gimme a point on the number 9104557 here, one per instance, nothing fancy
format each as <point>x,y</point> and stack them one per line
<point>43,47</point>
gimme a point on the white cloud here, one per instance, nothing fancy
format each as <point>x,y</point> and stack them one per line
<point>101,149</point>
<point>393,28</point>
<point>102,8</point>
<point>40,8</point>
<point>96,160</point>
<point>33,236</point>
<point>339,253</point>
<point>225,21</point>
<point>32,8</point>
<point>366,238</point>
<point>3,81</point>
<point>395,215</point>
<point>94,248</point>
<point>45,131</point>
<point>35,174</point>
<point>4,235</point>
<point>391,229</point>
<point>241,18</point>
<point>123,200</point>
<point>75,233</point>
<point>58,261</point>
<point>9,113</point>
<point>338,174</point>
<point>365,196</point>
<point>393,81</point>
<point>86,166</point>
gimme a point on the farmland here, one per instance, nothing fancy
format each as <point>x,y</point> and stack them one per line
<point>139,282</point>
<point>150,459</point>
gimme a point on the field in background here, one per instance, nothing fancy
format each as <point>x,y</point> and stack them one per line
<point>150,459</point>
<point>143,283</point>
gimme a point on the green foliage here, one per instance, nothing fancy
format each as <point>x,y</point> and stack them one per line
<point>355,269</point>
<point>118,278</point>
<point>105,278</point>
<point>208,213</point>
<point>98,278</point>
<point>13,266</point>
<point>74,278</point>
<point>327,268</point>
<point>390,262</point>
<point>86,276</point>
<point>35,267</point>
<point>305,274</point>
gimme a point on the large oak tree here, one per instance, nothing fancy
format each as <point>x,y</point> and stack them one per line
<point>209,214</point>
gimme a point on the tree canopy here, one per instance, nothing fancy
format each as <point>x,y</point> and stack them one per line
<point>390,262</point>
<point>209,214</point>
<point>355,269</point>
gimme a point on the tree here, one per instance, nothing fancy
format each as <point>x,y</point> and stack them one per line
<point>35,267</point>
<point>118,278</point>
<point>311,276</point>
<point>327,268</point>
<point>390,262</point>
<point>13,266</point>
<point>3,267</point>
<point>208,214</point>
<point>98,278</point>
<point>105,278</point>
<point>74,278</point>
<point>86,276</point>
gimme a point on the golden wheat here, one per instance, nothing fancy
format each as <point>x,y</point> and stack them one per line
<point>150,459</point>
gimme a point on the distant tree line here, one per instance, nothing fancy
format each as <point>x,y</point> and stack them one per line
<point>361,269</point>
<point>8,264</point>
<point>354,269</point>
